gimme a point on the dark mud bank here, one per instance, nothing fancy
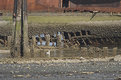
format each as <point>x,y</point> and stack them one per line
<point>97,28</point>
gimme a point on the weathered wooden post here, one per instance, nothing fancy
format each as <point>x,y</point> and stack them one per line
<point>59,40</point>
<point>115,51</point>
<point>47,37</point>
<point>24,21</point>
<point>19,42</point>
<point>105,51</point>
<point>84,51</point>
<point>16,35</point>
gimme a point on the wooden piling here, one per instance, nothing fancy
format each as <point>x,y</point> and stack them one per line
<point>115,51</point>
<point>24,25</point>
<point>84,51</point>
<point>47,37</point>
<point>32,48</point>
<point>59,41</point>
<point>105,51</point>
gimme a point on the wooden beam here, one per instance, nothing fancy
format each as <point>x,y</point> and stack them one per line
<point>105,51</point>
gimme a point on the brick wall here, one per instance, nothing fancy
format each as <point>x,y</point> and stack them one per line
<point>51,5</point>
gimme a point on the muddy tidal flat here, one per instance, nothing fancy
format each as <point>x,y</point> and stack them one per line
<point>68,69</point>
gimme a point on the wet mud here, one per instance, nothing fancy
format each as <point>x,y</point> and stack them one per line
<point>63,64</point>
<point>98,28</point>
<point>30,69</point>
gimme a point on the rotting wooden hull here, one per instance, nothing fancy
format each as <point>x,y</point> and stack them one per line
<point>102,33</point>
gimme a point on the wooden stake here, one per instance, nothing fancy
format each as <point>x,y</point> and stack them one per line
<point>33,43</point>
<point>47,37</point>
<point>59,41</point>
<point>115,51</point>
<point>105,51</point>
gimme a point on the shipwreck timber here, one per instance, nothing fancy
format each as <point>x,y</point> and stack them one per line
<point>84,32</point>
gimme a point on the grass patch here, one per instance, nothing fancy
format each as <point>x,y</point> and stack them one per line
<point>64,19</point>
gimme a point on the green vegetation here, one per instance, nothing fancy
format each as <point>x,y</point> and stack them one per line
<point>68,19</point>
<point>64,19</point>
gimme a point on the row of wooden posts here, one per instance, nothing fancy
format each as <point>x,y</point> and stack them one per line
<point>7,42</point>
<point>48,39</point>
<point>105,51</point>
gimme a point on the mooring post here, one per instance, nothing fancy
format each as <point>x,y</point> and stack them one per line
<point>19,42</point>
<point>105,51</point>
<point>84,51</point>
<point>115,51</point>
<point>16,36</point>
<point>47,37</point>
<point>33,43</point>
<point>59,40</point>
<point>24,21</point>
